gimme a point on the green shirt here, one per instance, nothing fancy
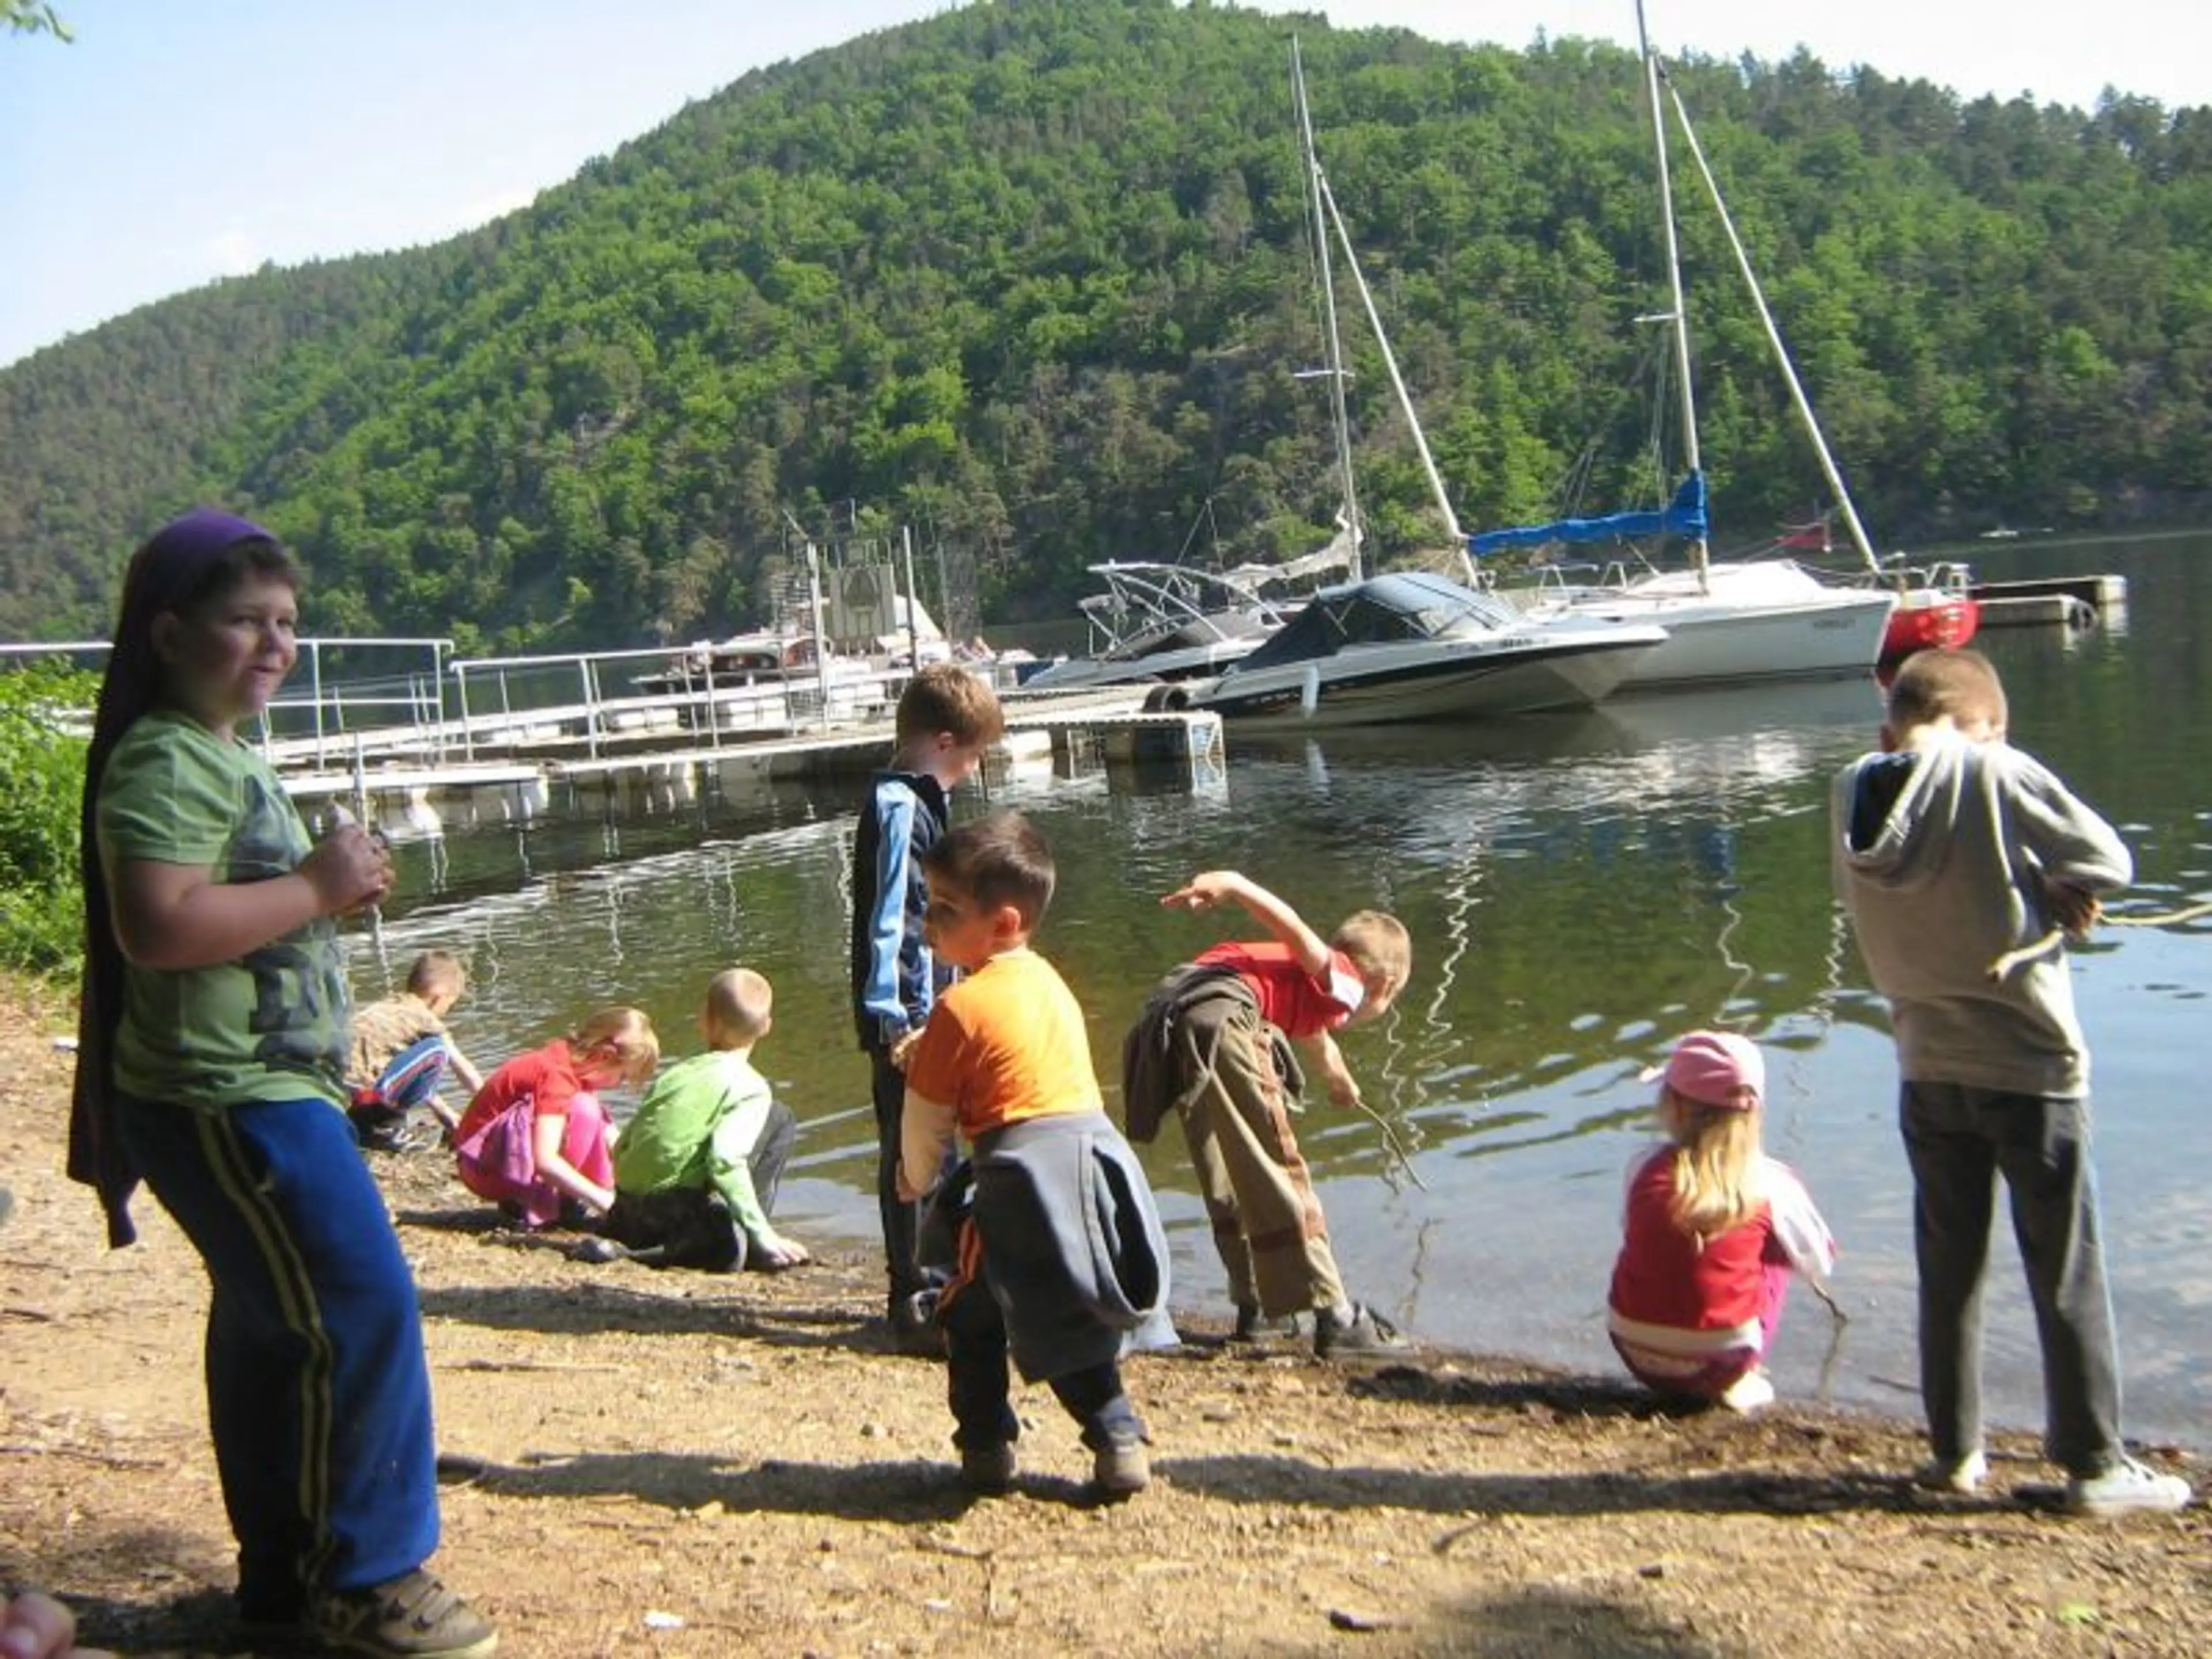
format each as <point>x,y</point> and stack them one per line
<point>268,1025</point>
<point>698,1126</point>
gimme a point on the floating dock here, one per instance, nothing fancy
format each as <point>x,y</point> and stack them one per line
<point>2051,601</point>
<point>401,782</point>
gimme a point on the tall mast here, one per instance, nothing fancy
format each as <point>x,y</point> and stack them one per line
<point>1398,384</point>
<point>1338,413</point>
<point>1803,403</point>
<point>1680,316</point>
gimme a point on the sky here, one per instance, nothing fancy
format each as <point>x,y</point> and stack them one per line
<point>178,140</point>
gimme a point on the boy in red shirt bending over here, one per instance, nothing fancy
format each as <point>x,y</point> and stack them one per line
<point>1210,1047</point>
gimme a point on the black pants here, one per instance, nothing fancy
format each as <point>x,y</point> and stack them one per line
<point>691,1226</point>
<point>979,1383</point>
<point>1960,1141</point>
<point>902,1220</point>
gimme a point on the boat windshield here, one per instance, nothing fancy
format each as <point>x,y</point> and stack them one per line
<point>1385,611</point>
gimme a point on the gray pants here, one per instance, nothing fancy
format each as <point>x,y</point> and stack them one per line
<point>1960,1140</point>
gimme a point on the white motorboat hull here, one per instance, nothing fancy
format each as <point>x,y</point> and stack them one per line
<point>1436,680</point>
<point>1193,662</point>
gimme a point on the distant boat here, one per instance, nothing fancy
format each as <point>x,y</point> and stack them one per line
<point>1411,646</point>
<point>1937,611</point>
<point>752,679</point>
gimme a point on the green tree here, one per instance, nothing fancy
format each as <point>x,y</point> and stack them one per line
<point>32,18</point>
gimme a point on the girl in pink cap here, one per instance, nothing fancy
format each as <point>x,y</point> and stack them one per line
<point>1713,1228</point>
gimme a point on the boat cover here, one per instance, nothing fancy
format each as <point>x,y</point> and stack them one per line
<point>1684,516</point>
<point>1412,604</point>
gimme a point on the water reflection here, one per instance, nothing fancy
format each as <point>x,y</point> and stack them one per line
<point>1579,889</point>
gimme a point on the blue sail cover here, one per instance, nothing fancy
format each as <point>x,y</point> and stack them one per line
<point>1684,516</point>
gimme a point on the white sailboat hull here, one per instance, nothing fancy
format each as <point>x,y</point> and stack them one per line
<point>1753,623</point>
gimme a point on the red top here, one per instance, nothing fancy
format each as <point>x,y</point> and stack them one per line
<point>546,1077</point>
<point>1295,1002</point>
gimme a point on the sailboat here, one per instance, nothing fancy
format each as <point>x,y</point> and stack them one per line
<point>1405,646</point>
<point>1727,621</point>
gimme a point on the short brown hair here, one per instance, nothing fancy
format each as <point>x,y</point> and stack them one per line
<point>1960,683</point>
<point>1000,858</point>
<point>625,1033</point>
<point>739,1002</point>
<point>437,973</point>
<point>1378,944</point>
<point>945,697</point>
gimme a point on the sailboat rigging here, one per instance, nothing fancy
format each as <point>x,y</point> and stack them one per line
<point>1730,620</point>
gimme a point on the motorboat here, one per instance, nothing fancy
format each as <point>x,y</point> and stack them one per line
<point>766,678</point>
<point>1165,622</point>
<point>1414,646</point>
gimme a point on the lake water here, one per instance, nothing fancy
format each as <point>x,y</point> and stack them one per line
<point>1579,889</point>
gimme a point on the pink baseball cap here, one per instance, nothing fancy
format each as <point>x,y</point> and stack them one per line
<point>1715,1068</point>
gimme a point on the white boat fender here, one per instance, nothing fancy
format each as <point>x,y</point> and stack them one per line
<point>1310,691</point>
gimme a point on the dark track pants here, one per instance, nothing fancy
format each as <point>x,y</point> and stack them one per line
<point>902,1220</point>
<point>1960,1141</point>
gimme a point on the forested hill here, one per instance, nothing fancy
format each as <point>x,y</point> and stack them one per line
<point>1033,277</point>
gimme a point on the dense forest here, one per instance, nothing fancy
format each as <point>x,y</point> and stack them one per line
<point>1035,279</point>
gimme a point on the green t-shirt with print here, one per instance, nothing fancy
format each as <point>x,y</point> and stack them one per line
<point>268,1025</point>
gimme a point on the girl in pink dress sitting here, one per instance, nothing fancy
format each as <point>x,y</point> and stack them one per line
<point>1714,1229</point>
<point>535,1140</point>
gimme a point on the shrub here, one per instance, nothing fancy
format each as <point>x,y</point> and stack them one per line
<point>45,711</point>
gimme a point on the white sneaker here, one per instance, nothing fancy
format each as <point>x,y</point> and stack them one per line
<point>1963,1475</point>
<point>2126,1488</point>
<point>1748,1393</point>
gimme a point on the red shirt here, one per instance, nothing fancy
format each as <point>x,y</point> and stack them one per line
<point>1663,1277</point>
<point>546,1077</point>
<point>1296,1003</point>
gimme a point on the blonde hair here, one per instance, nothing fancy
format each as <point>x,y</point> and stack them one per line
<point>1378,944</point>
<point>1716,1187</point>
<point>437,973</point>
<point>625,1034</point>
<point>738,1004</point>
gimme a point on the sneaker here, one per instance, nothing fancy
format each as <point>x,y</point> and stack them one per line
<point>913,1320</point>
<point>1121,1471</point>
<point>2127,1487</point>
<point>1366,1335</point>
<point>1963,1475</point>
<point>989,1470</point>
<point>413,1617</point>
<point>1253,1326</point>
<point>1752,1391</point>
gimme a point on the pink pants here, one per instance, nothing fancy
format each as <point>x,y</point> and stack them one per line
<point>499,1164</point>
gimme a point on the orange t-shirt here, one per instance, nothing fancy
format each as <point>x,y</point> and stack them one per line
<point>1006,1043</point>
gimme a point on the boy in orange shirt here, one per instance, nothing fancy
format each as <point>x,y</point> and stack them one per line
<point>1004,1063</point>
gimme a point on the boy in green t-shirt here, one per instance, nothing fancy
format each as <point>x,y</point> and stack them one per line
<point>697,1168</point>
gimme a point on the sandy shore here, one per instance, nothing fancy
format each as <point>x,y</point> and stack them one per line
<point>647,1463</point>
